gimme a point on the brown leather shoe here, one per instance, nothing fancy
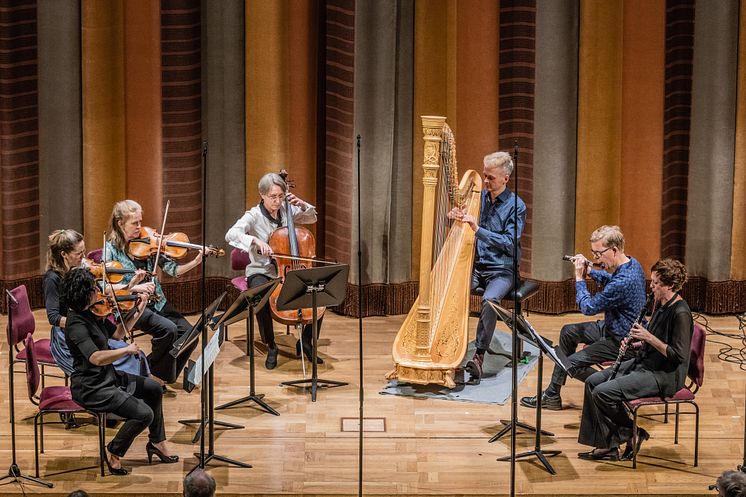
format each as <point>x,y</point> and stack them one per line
<point>474,367</point>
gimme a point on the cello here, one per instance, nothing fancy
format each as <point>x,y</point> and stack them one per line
<point>299,245</point>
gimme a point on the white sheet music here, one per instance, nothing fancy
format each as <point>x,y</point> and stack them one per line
<point>211,353</point>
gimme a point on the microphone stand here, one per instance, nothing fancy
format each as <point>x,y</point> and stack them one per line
<point>360,326</point>
<point>514,327</point>
<point>14,471</point>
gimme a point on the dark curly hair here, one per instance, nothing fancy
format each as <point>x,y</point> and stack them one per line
<point>77,286</point>
<point>732,484</point>
<point>671,273</point>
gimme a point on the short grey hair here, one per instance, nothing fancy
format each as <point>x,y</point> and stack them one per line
<point>612,237</point>
<point>270,179</point>
<point>499,159</point>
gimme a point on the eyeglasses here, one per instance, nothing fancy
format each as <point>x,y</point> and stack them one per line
<point>599,254</point>
<point>278,196</point>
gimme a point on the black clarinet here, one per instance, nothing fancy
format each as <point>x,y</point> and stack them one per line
<point>618,362</point>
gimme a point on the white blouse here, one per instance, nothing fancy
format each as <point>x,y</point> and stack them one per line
<point>253,225</point>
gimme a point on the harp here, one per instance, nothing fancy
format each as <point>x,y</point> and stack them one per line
<point>432,342</point>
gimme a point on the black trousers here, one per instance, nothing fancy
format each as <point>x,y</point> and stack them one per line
<point>165,327</point>
<point>605,422</point>
<point>264,318</point>
<point>142,410</point>
<point>602,347</point>
<point>496,285</point>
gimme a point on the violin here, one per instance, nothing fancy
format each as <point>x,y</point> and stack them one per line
<point>299,243</point>
<point>105,303</point>
<point>174,245</point>
<point>114,270</point>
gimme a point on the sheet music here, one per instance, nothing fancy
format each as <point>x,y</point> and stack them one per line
<point>211,353</point>
<point>545,346</point>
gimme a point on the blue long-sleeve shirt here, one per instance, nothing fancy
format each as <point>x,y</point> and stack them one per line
<point>621,299</point>
<point>494,247</point>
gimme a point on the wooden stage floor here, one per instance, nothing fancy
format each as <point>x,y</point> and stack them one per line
<point>425,448</point>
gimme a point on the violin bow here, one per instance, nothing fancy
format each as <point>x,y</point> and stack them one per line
<point>163,227</point>
<point>127,330</point>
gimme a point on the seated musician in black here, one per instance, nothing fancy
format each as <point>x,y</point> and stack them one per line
<point>659,370</point>
<point>97,386</point>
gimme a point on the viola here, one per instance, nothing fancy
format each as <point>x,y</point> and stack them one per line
<point>174,245</point>
<point>105,303</point>
<point>299,243</point>
<point>113,269</point>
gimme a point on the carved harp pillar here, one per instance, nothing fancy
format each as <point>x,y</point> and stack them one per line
<point>431,343</point>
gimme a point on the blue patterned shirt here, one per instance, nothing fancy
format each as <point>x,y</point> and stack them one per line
<point>166,263</point>
<point>621,299</point>
<point>494,247</point>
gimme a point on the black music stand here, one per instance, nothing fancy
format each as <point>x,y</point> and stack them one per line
<point>14,471</point>
<point>528,334</point>
<point>207,389</point>
<point>245,306</point>
<point>313,287</point>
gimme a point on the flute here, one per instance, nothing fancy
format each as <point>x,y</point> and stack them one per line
<point>571,258</point>
<point>618,362</point>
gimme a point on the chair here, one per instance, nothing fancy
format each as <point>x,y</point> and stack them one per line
<point>57,400</point>
<point>686,395</point>
<point>95,255</point>
<point>526,289</point>
<point>21,322</point>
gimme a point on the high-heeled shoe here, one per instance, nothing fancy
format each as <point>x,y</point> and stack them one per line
<point>630,450</point>
<point>152,449</point>
<point>120,471</point>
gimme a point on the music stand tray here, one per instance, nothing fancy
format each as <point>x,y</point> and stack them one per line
<point>244,307</point>
<point>311,288</point>
<point>184,341</point>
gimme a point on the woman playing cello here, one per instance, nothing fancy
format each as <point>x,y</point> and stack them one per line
<point>251,234</point>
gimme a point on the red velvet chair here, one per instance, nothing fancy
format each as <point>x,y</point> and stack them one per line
<point>21,322</point>
<point>54,400</point>
<point>686,395</point>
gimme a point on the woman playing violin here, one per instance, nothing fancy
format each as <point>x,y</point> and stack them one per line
<point>65,252</point>
<point>251,234</point>
<point>97,386</point>
<point>160,319</point>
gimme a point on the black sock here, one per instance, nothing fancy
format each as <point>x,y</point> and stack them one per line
<point>552,390</point>
<point>481,351</point>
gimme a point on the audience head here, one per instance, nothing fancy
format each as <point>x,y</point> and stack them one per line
<point>731,484</point>
<point>65,250</point>
<point>199,483</point>
<point>78,493</point>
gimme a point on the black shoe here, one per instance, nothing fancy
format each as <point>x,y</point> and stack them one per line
<point>152,449</point>
<point>600,455</point>
<point>474,367</point>
<point>549,402</point>
<point>271,362</point>
<point>120,471</point>
<point>642,436</point>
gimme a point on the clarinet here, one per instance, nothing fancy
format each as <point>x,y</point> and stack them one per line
<point>618,362</point>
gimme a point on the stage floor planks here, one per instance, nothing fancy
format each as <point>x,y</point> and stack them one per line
<point>428,448</point>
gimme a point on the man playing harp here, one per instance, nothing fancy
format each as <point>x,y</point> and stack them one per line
<point>493,258</point>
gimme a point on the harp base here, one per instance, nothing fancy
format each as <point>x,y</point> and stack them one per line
<point>423,375</point>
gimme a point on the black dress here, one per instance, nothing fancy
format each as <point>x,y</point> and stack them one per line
<point>605,422</point>
<point>135,398</point>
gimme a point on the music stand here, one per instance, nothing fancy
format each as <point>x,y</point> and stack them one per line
<point>528,334</point>
<point>208,387</point>
<point>313,287</point>
<point>245,306</point>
